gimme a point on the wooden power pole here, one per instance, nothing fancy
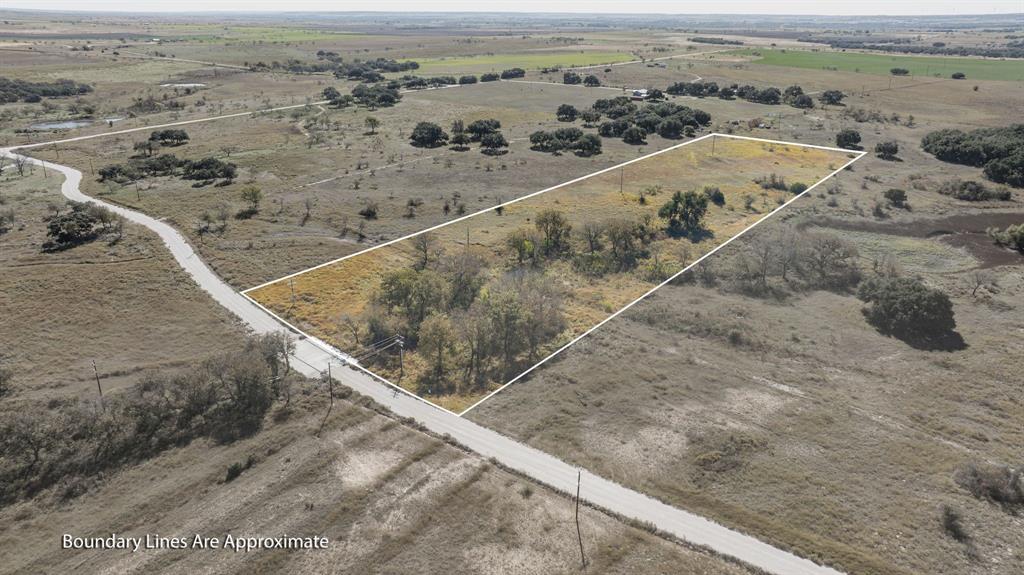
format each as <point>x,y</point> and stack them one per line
<point>579,534</point>
<point>99,387</point>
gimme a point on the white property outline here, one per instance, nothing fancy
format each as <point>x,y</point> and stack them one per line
<point>345,357</point>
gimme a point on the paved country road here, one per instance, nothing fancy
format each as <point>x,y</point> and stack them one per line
<point>312,360</point>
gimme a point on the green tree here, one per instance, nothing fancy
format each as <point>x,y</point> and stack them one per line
<point>555,229</point>
<point>436,343</point>
<point>588,145</point>
<point>493,143</point>
<point>252,195</point>
<point>428,135</point>
<point>566,113</point>
<point>907,308</point>
<point>371,124</point>
<point>634,135</point>
<point>684,212</point>
<point>831,97</point>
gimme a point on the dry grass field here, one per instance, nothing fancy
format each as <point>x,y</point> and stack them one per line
<point>389,499</point>
<point>126,306</point>
<point>781,413</point>
<point>792,418</point>
<point>317,300</point>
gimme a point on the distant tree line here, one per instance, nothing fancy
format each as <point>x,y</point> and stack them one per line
<point>362,70</point>
<point>793,95</point>
<point>709,40</point>
<point>1009,51</point>
<point>12,90</point>
<point>998,151</point>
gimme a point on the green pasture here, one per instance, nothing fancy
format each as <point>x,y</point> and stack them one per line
<point>974,68</point>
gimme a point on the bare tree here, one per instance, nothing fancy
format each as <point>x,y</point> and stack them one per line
<point>20,162</point>
<point>349,323</point>
<point>979,279</point>
<point>591,233</point>
<point>426,248</point>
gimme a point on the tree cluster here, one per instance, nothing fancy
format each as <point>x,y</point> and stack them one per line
<point>13,90</point>
<point>225,398</point>
<point>631,123</point>
<point>573,139</point>
<point>80,223</point>
<point>798,259</point>
<point>468,329</point>
<point>998,151</point>
<point>376,96</point>
<point>204,169</point>
<point>169,137</point>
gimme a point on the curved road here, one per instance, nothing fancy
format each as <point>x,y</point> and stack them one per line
<point>312,359</point>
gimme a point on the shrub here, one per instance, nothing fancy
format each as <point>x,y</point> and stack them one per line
<point>887,150</point>
<point>896,197</point>
<point>715,195</point>
<point>572,78</point>
<point>1012,236</point>
<point>951,524</point>
<point>369,211</point>
<point>996,483</point>
<point>797,187</point>
<point>848,138</point>
<point>958,76</point>
<point>513,73</point>
<point>489,77</point>
<point>971,191</point>
<point>463,80</point>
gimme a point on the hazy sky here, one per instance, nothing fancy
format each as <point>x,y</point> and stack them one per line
<point>844,7</point>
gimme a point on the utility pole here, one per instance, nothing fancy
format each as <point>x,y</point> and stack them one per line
<point>330,386</point>
<point>621,177</point>
<point>579,534</point>
<point>291,284</point>
<point>714,138</point>
<point>401,357</point>
<point>99,387</point>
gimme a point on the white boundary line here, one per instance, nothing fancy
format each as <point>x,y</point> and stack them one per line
<point>545,190</point>
<point>664,283</point>
<point>344,357</point>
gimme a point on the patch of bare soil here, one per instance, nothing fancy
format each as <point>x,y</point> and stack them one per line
<point>390,500</point>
